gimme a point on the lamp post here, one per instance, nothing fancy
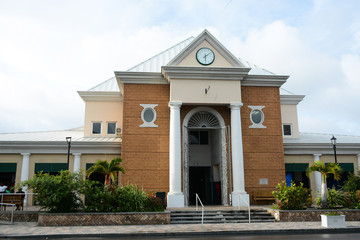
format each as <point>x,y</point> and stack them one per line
<point>68,140</point>
<point>333,141</point>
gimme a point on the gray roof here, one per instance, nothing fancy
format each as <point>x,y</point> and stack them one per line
<point>109,85</point>
<point>322,138</point>
<point>77,135</point>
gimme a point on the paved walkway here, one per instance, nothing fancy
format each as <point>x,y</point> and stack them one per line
<point>32,230</point>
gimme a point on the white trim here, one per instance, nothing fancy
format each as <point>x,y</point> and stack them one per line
<point>152,108</point>
<point>139,78</point>
<point>206,36</point>
<point>260,124</point>
<point>291,99</point>
<point>204,73</point>
<point>101,96</point>
<point>264,80</point>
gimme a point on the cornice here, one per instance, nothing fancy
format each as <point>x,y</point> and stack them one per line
<point>264,80</point>
<point>203,73</point>
<point>125,77</point>
<point>291,99</point>
<point>206,35</point>
<point>33,147</point>
<point>101,96</point>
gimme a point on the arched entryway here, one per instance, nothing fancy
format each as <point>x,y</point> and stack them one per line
<point>205,168</point>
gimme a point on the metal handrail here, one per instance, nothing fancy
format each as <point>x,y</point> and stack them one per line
<point>247,203</point>
<point>202,207</point>
<point>12,210</point>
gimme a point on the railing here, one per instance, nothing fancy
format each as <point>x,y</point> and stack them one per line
<point>25,199</point>
<point>12,209</point>
<point>247,203</point>
<point>202,208</point>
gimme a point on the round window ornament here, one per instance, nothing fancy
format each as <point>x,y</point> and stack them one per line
<point>148,115</point>
<point>257,117</point>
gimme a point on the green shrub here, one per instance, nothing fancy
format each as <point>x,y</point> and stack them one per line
<point>335,199</point>
<point>352,184</point>
<point>127,198</point>
<point>293,197</point>
<point>57,193</point>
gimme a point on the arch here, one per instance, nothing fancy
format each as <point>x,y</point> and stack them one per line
<point>196,110</point>
<point>207,118</point>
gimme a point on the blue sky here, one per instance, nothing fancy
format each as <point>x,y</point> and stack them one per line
<point>51,49</point>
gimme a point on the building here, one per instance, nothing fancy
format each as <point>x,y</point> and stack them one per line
<point>192,119</point>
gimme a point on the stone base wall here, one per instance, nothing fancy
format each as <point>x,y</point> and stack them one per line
<point>97,219</point>
<point>19,216</point>
<point>311,215</point>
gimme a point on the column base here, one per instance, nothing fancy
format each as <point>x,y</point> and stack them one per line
<point>175,200</point>
<point>240,199</point>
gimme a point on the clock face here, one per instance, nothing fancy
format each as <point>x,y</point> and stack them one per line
<point>205,56</point>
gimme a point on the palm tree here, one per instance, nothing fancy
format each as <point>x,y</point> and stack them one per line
<point>325,170</point>
<point>109,169</point>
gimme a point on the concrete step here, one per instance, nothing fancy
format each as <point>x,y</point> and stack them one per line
<point>220,216</point>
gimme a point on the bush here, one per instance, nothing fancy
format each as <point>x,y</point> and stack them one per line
<point>352,184</point>
<point>335,199</point>
<point>293,197</point>
<point>57,193</point>
<point>127,198</point>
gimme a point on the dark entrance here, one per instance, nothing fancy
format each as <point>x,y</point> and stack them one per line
<point>201,182</point>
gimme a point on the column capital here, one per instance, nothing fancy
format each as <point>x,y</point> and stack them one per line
<point>236,105</point>
<point>26,154</point>
<point>317,155</point>
<point>76,154</point>
<point>175,104</point>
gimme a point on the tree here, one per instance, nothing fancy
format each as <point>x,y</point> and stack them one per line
<point>325,170</point>
<point>109,169</point>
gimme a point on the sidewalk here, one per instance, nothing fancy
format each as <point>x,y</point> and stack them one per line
<point>20,229</point>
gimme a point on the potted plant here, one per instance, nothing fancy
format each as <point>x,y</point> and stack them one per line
<point>333,220</point>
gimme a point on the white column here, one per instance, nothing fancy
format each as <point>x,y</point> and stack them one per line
<point>175,197</point>
<point>317,175</point>
<point>25,171</point>
<point>77,161</point>
<point>357,172</point>
<point>239,196</point>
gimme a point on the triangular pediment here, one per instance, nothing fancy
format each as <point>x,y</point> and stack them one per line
<point>223,57</point>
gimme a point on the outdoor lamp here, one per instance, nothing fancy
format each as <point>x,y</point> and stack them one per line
<point>333,141</point>
<point>68,140</point>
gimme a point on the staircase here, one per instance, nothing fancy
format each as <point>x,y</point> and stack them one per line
<point>220,216</point>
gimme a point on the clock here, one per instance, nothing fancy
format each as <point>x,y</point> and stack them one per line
<point>205,56</point>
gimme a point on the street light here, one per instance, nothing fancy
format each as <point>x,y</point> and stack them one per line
<point>68,140</point>
<point>333,141</point>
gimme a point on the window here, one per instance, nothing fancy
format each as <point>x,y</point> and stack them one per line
<point>111,127</point>
<point>287,130</point>
<point>257,117</point>
<point>148,115</point>
<point>199,137</point>
<point>96,128</point>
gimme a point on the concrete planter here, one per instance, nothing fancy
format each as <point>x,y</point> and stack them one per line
<point>333,221</point>
<point>101,219</point>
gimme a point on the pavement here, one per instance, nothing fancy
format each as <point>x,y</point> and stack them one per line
<point>31,230</point>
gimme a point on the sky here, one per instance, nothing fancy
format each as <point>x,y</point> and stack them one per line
<point>51,49</point>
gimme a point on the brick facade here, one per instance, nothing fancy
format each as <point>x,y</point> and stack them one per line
<point>145,151</point>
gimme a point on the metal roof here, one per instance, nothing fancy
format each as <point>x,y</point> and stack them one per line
<point>109,85</point>
<point>77,135</point>
<point>322,138</point>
